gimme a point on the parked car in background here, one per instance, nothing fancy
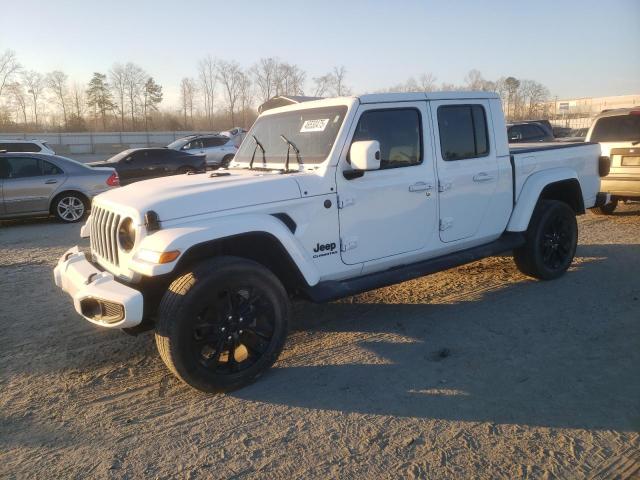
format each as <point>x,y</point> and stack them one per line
<point>528,132</point>
<point>218,149</point>
<point>561,132</point>
<point>618,132</point>
<point>35,184</point>
<point>138,164</point>
<point>237,133</point>
<point>33,146</point>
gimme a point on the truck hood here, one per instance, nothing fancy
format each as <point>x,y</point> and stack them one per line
<point>180,196</point>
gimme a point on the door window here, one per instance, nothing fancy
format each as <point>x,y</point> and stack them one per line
<point>399,132</point>
<point>463,132</point>
<point>23,167</point>
<point>214,142</point>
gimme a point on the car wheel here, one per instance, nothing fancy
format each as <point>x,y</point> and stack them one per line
<point>222,324</point>
<point>551,241</point>
<point>607,209</point>
<point>226,161</point>
<point>70,207</point>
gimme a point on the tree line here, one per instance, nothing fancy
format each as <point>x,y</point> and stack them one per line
<point>221,94</point>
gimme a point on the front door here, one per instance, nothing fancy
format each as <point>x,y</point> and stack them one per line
<point>390,211</point>
<point>467,166</point>
<point>29,184</point>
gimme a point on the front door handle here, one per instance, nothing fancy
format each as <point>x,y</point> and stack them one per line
<point>420,187</point>
<point>50,182</point>
<point>482,177</point>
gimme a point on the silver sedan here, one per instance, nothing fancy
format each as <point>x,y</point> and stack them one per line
<point>33,184</point>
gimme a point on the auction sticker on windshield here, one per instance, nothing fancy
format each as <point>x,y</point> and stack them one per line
<point>314,125</point>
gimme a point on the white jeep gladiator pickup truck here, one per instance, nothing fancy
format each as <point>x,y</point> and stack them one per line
<point>324,199</point>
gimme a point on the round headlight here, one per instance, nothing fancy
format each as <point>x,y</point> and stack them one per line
<point>127,234</point>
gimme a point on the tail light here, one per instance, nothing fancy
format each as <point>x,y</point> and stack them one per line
<point>604,166</point>
<point>113,180</point>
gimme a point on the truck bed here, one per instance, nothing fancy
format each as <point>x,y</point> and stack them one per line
<point>535,159</point>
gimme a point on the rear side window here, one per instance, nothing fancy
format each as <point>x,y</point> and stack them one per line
<point>399,132</point>
<point>616,129</point>
<point>49,168</point>
<point>214,142</point>
<point>463,132</point>
<point>22,167</point>
<point>20,147</point>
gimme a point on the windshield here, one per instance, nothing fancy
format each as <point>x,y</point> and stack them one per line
<point>313,131</point>
<point>620,128</point>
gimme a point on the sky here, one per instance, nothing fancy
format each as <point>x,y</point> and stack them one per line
<point>576,48</point>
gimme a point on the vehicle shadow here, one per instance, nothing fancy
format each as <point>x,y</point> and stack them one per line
<point>555,353</point>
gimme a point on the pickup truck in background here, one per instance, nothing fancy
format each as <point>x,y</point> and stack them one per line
<point>324,199</point>
<point>618,132</point>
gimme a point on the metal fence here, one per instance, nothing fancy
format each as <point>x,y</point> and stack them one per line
<point>97,143</point>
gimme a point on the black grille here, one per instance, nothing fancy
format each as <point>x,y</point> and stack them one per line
<point>104,234</point>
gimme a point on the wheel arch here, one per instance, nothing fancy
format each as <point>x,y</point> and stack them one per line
<point>260,246</point>
<point>558,184</point>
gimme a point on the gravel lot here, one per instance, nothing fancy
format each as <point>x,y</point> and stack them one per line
<point>477,372</point>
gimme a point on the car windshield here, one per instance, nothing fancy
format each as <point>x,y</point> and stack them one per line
<point>619,128</point>
<point>313,131</point>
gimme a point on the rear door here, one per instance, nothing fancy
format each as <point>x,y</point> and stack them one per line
<point>467,165</point>
<point>390,211</point>
<point>30,184</point>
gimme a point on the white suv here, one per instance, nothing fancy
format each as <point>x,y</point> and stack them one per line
<point>219,149</point>
<point>28,146</point>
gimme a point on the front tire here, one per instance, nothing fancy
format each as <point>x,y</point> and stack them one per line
<point>223,324</point>
<point>551,241</point>
<point>226,161</point>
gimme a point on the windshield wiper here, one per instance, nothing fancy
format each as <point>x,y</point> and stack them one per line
<point>291,145</point>
<point>253,156</point>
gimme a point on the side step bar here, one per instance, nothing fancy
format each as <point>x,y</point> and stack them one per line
<point>335,289</point>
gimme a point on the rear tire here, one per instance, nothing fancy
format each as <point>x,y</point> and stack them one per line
<point>223,324</point>
<point>226,161</point>
<point>607,209</point>
<point>551,241</point>
<point>70,207</point>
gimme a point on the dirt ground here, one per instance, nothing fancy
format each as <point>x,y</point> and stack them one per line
<point>477,372</point>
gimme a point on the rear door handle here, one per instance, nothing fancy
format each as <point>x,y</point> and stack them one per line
<point>420,187</point>
<point>482,177</point>
<point>50,182</point>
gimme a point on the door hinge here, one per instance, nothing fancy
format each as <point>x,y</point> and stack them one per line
<point>444,186</point>
<point>345,202</point>
<point>446,223</point>
<point>348,244</point>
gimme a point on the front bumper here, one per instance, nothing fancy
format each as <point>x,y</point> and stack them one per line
<point>97,295</point>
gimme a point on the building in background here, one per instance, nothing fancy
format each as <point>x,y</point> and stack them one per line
<point>579,112</point>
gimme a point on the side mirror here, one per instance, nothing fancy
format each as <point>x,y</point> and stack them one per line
<point>365,155</point>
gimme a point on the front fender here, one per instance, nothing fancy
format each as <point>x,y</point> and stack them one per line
<point>184,237</point>
<point>530,193</point>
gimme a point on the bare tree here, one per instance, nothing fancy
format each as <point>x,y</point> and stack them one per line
<point>77,97</point>
<point>208,76</point>
<point>18,98</point>
<point>118,78</point>
<point>57,82</point>
<point>9,67</point>
<point>246,95</point>
<point>229,75</point>
<point>323,85</point>
<point>265,74</point>
<point>339,74</point>
<point>187,94</point>
<point>135,78</point>
<point>34,83</point>
<point>289,80</point>
<point>427,82</point>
